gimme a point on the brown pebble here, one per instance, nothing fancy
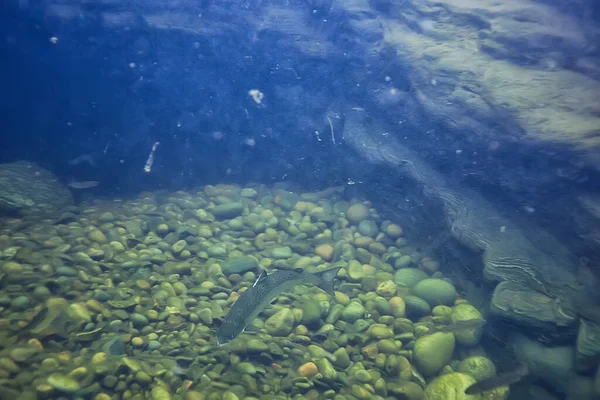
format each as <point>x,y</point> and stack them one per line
<point>308,369</point>
<point>325,251</point>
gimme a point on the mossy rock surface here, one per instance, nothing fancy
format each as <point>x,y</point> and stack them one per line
<point>432,352</point>
<point>451,387</point>
<point>409,277</point>
<point>468,336</point>
<point>478,367</point>
<point>435,291</point>
<point>416,307</point>
<point>228,210</point>
<point>357,213</point>
<point>239,265</point>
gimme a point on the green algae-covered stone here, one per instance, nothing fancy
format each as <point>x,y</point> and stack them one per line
<point>281,323</point>
<point>432,352</point>
<point>380,331</point>
<point>478,367</point>
<point>467,336</point>
<point>239,265</point>
<point>435,291</point>
<point>409,277</point>
<point>403,262</point>
<point>368,228</point>
<point>405,390</point>
<point>416,307</point>
<point>326,369</point>
<point>353,311</point>
<point>63,383</point>
<point>228,210</point>
<point>311,312</point>
<point>357,213</point>
<point>451,386</point>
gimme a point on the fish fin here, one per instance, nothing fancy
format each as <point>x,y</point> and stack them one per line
<point>251,329</point>
<point>326,279</point>
<point>263,275</point>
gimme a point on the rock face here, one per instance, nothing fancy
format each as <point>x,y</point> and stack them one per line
<point>26,188</point>
<point>538,277</point>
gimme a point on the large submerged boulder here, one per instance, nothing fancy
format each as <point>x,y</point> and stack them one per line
<point>26,188</point>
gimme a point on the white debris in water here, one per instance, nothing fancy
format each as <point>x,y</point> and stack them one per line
<point>150,161</point>
<point>256,95</point>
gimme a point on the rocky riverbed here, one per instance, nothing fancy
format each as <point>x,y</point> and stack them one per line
<point>122,299</point>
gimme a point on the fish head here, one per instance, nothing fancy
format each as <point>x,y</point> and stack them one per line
<point>228,331</point>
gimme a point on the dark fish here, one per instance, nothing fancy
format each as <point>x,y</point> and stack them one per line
<point>459,325</point>
<point>83,185</point>
<point>501,380</point>
<point>263,291</point>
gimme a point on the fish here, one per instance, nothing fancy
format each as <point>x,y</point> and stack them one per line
<point>266,287</point>
<point>506,379</point>
<point>83,184</point>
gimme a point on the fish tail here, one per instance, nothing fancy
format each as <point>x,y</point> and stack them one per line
<point>326,279</point>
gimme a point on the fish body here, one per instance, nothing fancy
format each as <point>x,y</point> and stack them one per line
<point>266,287</point>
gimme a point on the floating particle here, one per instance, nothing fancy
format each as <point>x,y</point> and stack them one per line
<point>250,142</point>
<point>150,161</point>
<point>131,65</point>
<point>53,39</point>
<point>256,95</point>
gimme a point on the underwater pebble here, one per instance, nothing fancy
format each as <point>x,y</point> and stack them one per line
<point>66,271</point>
<point>63,383</point>
<point>357,213</point>
<point>20,302</point>
<point>308,369</point>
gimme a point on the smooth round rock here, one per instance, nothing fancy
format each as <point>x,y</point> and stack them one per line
<point>20,302</point>
<point>357,213</point>
<point>368,228</point>
<point>353,311</point>
<point>281,323</point>
<point>394,231</point>
<point>416,307</point>
<point>139,320</point>
<point>153,345</point>
<point>280,253</point>
<point>403,261</point>
<point>432,352</point>
<point>239,265</point>
<point>228,210</point>
<point>409,277</point>
<point>435,291</point>
<point>63,383</point>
